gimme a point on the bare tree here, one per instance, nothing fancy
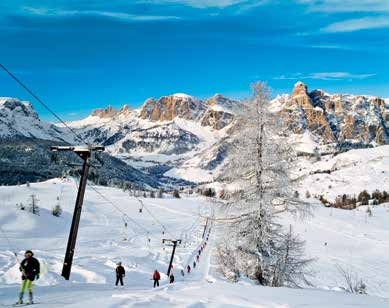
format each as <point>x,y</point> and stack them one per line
<point>34,208</point>
<point>354,284</point>
<point>260,165</point>
<point>290,266</point>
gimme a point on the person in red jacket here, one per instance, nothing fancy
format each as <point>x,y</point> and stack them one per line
<point>156,278</point>
<point>188,269</point>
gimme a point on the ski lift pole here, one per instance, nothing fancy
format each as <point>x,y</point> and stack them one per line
<point>85,154</point>
<point>205,227</point>
<point>174,242</point>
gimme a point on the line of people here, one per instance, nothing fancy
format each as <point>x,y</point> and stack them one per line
<point>197,259</point>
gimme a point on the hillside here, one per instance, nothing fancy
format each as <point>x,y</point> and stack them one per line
<point>104,240</point>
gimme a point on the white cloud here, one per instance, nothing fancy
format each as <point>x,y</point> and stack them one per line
<point>108,14</point>
<point>357,24</point>
<point>335,6</point>
<point>321,46</point>
<point>202,3</point>
<point>324,76</point>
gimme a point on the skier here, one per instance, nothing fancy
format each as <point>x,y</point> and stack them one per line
<point>30,269</point>
<point>199,252</point>
<point>156,278</point>
<point>182,273</point>
<point>171,278</point>
<point>120,273</point>
<point>194,264</point>
<point>188,269</point>
<point>198,258</point>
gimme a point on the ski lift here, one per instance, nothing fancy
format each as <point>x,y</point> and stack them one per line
<point>125,222</point>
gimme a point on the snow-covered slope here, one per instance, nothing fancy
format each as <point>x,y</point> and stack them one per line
<point>104,239</point>
<point>346,173</point>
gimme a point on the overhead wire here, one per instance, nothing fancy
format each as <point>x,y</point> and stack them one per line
<point>82,140</point>
<point>154,218</point>
<point>41,102</point>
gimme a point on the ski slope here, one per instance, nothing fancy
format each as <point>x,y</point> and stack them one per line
<point>103,240</point>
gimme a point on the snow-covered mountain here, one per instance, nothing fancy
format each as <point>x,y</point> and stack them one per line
<point>183,137</point>
<point>335,121</point>
<point>19,119</point>
<point>178,134</point>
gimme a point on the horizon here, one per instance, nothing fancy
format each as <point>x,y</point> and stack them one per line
<point>84,55</point>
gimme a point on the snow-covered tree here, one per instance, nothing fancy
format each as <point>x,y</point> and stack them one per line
<point>260,164</point>
<point>57,210</point>
<point>290,266</point>
<point>176,194</point>
<point>33,206</point>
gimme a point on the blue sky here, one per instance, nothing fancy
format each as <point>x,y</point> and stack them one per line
<point>79,55</point>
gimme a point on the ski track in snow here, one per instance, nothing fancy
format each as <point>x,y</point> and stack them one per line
<point>101,244</point>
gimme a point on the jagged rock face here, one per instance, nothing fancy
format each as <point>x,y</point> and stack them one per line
<point>301,114</point>
<point>337,118</point>
<point>217,119</point>
<point>11,107</point>
<point>108,112</point>
<point>216,111</point>
<point>221,102</point>
<point>221,113</point>
<point>169,107</point>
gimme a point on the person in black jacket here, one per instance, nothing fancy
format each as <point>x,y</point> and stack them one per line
<point>120,273</point>
<point>30,269</point>
<point>171,278</point>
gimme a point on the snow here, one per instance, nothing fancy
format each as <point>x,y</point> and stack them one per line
<point>353,239</point>
<point>88,121</point>
<point>183,95</point>
<point>304,143</point>
<point>278,103</point>
<point>351,173</point>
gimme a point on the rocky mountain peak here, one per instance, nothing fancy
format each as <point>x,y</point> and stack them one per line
<point>125,110</point>
<point>169,107</point>
<point>216,99</point>
<point>339,119</point>
<point>299,89</point>
<point>12,107</point>
<point>104,113</point>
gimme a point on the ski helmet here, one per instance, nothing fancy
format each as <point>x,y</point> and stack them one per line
<point>29,252</point>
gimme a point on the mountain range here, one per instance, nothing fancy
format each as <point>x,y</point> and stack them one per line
<point>180,140</point>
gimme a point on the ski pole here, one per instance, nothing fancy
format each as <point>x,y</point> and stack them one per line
<point>10,247</point>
